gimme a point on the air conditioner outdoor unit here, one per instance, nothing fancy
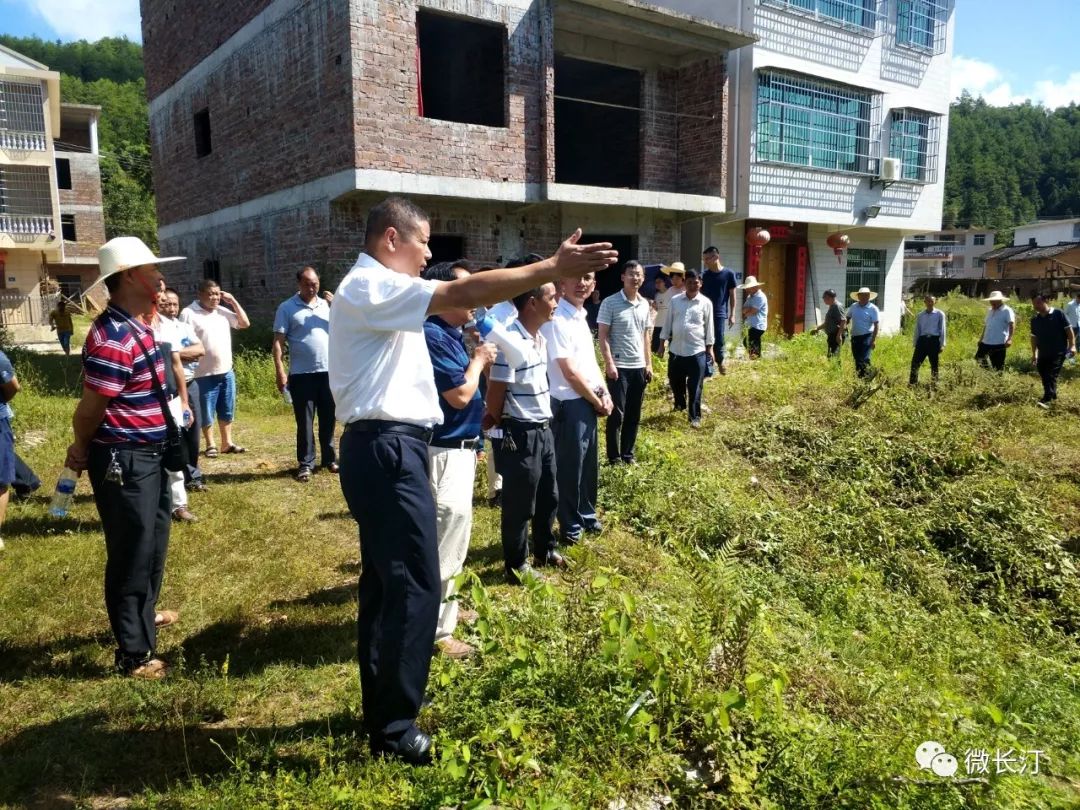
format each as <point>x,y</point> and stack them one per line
<point>890,170</point>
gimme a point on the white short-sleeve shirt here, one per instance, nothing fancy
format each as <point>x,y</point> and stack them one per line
<point>996,326</point>
<point>214,330</point>
<point>568,336</point>
<point>527,397</point>
<point>379,362</point>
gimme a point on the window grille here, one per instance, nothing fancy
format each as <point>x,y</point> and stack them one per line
<point>804,122</point>
<point>866,268</point>
<point>25,200</point>
<point>22,116</point>
<point>913,138</point>
<point>921,24</point>
<point>861,16</point>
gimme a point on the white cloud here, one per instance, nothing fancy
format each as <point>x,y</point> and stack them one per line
<point>89,19</point>
<point>983,79</point>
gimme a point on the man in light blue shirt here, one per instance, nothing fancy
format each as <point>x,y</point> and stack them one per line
<point>929,339</point>
<point>864,321</point>
<point>689,328</point>
<point>303,322</point>
<point>755,310</point>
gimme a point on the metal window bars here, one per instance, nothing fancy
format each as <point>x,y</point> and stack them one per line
<point>22,116</point>
<point>804,122</point>
<point>913,138</point>
<point>866,268</point>
<point>865,17</point>
<point>26,200</point>
<point>921,25</point>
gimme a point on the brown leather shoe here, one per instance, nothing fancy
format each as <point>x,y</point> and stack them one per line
<point>452,648</point>
<point>153,670</point>
<point>183,515</point>
<point>467,615</point>
<point>163,618</point>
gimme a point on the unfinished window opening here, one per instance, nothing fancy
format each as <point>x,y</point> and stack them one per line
<point>597,140</point>
<point>212,269</point>
<point>67,227</point>
<point>63,174</point>
<point>462,69</point>
<point>446,248</point>
<point>203,146</point>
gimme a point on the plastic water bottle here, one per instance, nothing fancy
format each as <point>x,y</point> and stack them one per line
<point>286,395</point>
<point>511,347</point>
<point>65,492</point>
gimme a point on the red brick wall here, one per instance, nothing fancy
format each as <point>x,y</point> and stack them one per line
<point>85,192</point>
<point>391,135</point>
<point>659,131</point>
<point>178,34</point>
<point>702,92</point>
<point>280,116</point>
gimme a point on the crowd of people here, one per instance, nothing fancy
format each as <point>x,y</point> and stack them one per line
<point>429,368</point>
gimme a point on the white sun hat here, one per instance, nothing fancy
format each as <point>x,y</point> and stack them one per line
<point>863,291</point>
<point>751,281</point>
<point>115,256</point>
<point>996,295</point>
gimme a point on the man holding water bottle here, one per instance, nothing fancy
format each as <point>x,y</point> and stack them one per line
<point>120,434</point>
<point>303,322</point>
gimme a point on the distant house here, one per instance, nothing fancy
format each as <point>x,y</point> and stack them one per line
<point>950,253</point>
<point>51,215</point>
<point>1046,232</point>
<point>1032,267</point>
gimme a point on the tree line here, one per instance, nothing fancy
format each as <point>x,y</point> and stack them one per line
<point>1005,165</point>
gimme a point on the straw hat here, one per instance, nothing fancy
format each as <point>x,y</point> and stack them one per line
<point>125,252</point>
<point>751,281</point>
<point>996,296</point>
<point>115,256</point>
<point>674,269</point>
<point>863,291</point>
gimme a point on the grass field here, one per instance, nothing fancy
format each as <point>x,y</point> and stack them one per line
<point>782,607</point>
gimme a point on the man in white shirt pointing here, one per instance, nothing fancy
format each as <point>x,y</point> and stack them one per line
<point>382,382</point>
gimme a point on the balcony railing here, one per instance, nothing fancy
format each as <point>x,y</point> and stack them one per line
<point>22,141</point>
<point>25,225</point>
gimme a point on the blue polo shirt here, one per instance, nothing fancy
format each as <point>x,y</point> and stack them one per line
<point>449,361</point>
<point>862,319</point>
<point>306,327</point>
<point>717,287</point>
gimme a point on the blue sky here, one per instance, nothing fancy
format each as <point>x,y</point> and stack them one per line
<point>1005,50</point>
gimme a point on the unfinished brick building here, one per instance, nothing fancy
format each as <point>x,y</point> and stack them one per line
<point>275,125</point>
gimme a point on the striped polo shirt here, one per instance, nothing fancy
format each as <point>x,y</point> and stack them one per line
<point>114,366</point>
<point>527,397</point>
<point>626,321</point>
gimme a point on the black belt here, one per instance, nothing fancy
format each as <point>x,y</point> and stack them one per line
<point>384,426</point>
<point>520,425</point>
<point>455,444</point>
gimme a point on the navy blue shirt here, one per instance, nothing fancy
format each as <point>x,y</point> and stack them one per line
<point>1049,332</point>
<point>717,288</point>
<point>449,361</point>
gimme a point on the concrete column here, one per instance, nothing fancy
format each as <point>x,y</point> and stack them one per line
<point>93,135</point>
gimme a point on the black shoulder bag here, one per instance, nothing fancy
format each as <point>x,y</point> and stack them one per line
<point>172,456</point>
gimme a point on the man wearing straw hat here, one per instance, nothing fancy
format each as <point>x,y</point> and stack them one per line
<point>676,277</point>
<point>120,431</point>
<point>997,332</point>
<point>864,320</point>
<point>755,310</point>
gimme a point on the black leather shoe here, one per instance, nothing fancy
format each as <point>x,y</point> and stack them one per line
<point>518,576</point>
<point>553,559</point>
<point>412,750</point>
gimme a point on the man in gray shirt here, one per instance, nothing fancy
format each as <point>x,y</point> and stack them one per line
<point>626,345</point>
<point>835,323</point>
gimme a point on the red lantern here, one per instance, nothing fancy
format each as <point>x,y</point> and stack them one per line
<point>757,238</point>
<point>838,242</point>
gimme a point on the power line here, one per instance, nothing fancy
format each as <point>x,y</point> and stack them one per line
<point>636,109</point>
